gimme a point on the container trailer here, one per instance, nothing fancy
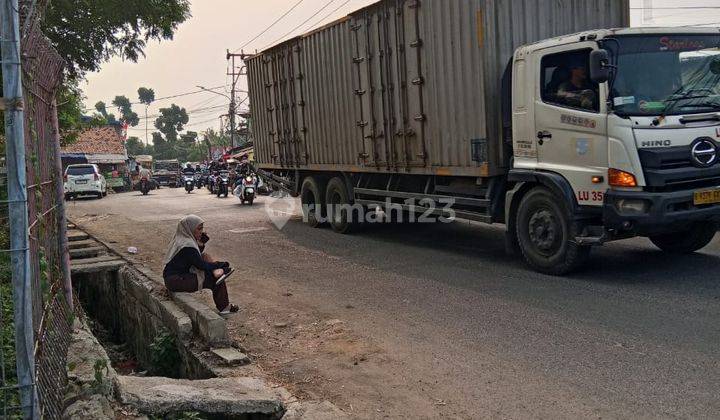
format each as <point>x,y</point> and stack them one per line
<point>550,116</point>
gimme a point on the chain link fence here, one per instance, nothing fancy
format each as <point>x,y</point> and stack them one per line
<point>48,282</point>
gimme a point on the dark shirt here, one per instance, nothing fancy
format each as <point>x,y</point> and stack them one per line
<point>185,259</point>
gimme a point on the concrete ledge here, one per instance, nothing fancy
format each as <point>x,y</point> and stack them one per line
<point>230,397</point>
<point>86,252</point>
<point>87,243</point>
<point>77,235</point>
<point>206,322</point>
<point>97,267</point>
<point>93,260</point>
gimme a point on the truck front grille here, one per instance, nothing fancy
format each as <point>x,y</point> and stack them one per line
<point>671,169</point>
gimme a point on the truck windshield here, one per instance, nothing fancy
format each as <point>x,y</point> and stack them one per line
<point>666,75</point>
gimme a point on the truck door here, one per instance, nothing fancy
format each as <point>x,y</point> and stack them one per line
<point>571,121</point>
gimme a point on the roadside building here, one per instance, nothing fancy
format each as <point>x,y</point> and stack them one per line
<point>105,147</point>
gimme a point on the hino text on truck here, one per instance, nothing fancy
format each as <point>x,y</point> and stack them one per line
<point>571,141</point>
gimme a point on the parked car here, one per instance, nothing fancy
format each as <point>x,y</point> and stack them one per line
<point>84,179</point>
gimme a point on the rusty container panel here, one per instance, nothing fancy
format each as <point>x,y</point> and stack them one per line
<point>406,86</point>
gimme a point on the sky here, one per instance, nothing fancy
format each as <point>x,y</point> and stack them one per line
<point>197,54</point>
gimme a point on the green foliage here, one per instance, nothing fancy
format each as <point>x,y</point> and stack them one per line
<point>164,356</point>
<point>70,109</point>
<point>135,146</point>
<point>217,139</point>
<point>146,96</point>
<point>171,121</point>
<point>89,32</point>
<point>102,109</point>
<point>126,113</point>
<point>99,367</point>
<point>7,324</point>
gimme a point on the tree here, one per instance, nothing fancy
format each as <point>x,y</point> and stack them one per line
<point>135,146</point>
<point>89,32</point>
<point>198,152</point>
<point>161,148</point>
<point>102,109</point>
<point>171,121</point>
<point>126,113</point>
<point>146,96</point>
<point>216,139</point>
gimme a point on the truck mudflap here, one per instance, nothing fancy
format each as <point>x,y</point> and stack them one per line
<point>647,213</point>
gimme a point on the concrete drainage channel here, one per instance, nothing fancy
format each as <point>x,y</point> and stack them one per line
<point>177,338</point>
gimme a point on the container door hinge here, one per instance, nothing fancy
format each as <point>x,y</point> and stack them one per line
<point>362,123</point>
<point>358,60</point>
<point>418,81</point>
<point>420,117</point>
<point>360,92</point>
<point>417,43</point>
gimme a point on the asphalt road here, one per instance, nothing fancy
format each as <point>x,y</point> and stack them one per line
<point>460,329</point>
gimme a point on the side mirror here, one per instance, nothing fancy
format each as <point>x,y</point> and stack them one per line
<point>599,66</point>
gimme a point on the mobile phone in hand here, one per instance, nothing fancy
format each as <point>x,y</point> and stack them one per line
<point>204,238</point>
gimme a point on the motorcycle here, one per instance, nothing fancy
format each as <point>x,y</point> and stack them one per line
<point>221,184</point>
<point>198,180</point>
<point>189,182</point>
<point>247,187</point>
<point>144,185</point>
<point>211,183</point>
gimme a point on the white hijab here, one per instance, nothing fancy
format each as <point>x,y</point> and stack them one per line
<point>184,237</point>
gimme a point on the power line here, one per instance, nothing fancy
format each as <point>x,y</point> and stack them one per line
<point>271,25</point>
<point>179,95</point>
<point>301,24</point>
<point>327,16</point>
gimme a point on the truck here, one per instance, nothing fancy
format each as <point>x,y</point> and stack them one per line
<point>552,117</point>
<point>167,173</point>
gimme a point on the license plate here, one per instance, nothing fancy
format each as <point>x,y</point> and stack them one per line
<point>706,197</point>
<point>81,181</point>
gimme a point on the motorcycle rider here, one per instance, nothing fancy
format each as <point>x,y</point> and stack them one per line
<point>188,170</point>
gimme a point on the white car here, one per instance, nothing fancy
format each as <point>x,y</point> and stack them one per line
<point>84,179</point>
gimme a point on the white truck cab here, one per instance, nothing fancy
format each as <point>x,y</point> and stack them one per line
<point>626,122</point>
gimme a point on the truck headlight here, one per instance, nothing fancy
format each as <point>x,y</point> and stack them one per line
<point>632,206</point>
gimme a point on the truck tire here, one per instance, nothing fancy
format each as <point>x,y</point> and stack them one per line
<point>546,234</point>
<point>312,198</point>
<point>340,215</point>
<point>687,241</point>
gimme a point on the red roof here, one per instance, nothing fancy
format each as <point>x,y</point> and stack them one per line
<point>98,140</point>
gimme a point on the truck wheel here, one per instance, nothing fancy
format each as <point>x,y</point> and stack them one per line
<point>687,241</point>
<point>340,213</point>
<point>546,234</point>
<point>312,198</point>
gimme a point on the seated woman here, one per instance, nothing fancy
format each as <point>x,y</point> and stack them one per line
<point>187,269</point>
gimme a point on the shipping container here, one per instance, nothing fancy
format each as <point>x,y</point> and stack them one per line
<point>404,86</point>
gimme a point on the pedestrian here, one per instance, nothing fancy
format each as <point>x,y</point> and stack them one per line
<point>189,269</point>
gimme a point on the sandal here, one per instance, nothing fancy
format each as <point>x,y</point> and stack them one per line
<point>231,309</point>
<point>228,272</point>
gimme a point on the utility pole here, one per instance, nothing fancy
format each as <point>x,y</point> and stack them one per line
<point>17,204</point>
<point>235,73</point>
<point>146,127</point>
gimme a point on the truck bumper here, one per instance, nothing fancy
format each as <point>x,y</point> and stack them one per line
<point>663,213</point>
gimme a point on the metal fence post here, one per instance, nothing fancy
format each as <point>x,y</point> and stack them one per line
<point>61,219</point>
<point>17,206</point>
